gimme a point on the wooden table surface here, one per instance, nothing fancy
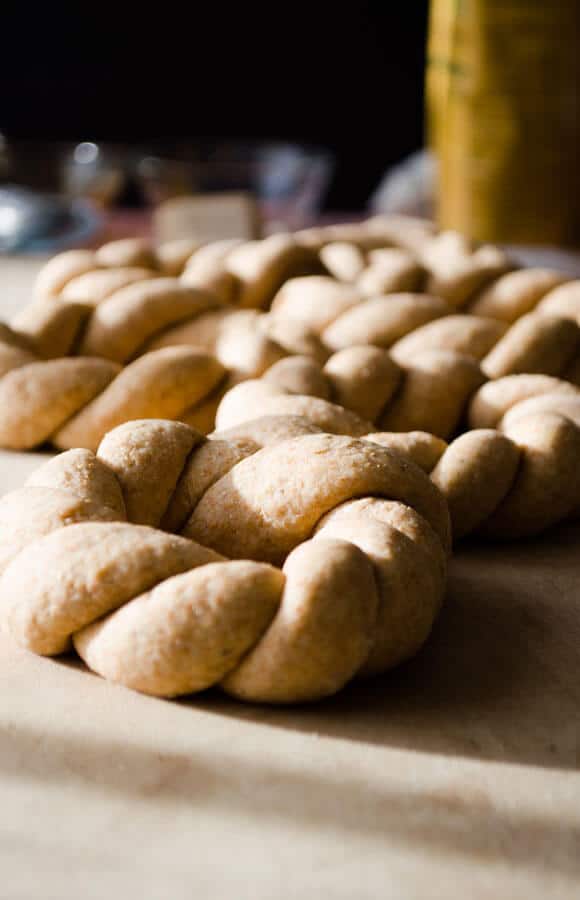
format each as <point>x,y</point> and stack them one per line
<point>454,777</point>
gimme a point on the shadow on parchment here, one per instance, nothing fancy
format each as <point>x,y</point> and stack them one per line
<point>499,679</point>
<point>460,821</point>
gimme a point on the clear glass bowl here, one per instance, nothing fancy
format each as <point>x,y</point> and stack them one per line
<point>288,180</point>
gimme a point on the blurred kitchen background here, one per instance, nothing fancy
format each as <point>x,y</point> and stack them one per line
<point>119,109</point>
<point>315,111</point>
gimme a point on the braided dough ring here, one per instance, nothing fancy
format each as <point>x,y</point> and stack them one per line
<point>509,483</point>
<point>128,298</point>
<point>459,273</point>
<point>424,384</point>
<point>361,532</point>
<point>141,309</point>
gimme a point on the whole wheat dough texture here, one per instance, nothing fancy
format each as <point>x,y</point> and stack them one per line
<point>359,390</point>
<point>128,298</point>
<point>360,531</point>
<point>167,615</point>
<point>73,402</point>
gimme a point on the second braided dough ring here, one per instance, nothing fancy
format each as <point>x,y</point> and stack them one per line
<point>361,533</point>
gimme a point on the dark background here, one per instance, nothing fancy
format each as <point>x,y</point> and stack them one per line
<point>349,77</point>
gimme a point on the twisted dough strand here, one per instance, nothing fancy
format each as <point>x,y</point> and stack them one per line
<point>518,483</point>
<point>245,274</point>
<point>262,266</point>
<point>433,381</point>
<point>461,275</point>
<point>429,395</point>
<point>165,615</point>
<point>480,279</point>
<point>124,300</point>
<point>410,324</point>
<point>457,275</point>
<point>73,402</point>
<point>508,483</point>
<point>159,312</point>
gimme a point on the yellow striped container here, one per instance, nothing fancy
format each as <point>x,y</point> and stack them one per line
<point>503,117</point>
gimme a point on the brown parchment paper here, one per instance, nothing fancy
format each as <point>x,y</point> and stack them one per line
<point>456,776</point>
